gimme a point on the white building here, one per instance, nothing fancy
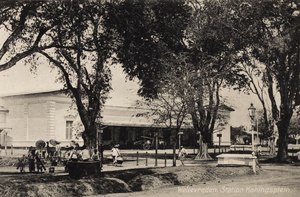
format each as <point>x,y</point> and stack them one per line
<point>26,118</point>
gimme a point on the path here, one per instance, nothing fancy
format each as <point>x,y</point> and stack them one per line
<point>283,181</point>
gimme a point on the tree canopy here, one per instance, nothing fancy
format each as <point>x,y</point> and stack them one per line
<point>147,30</point>
<point>78,39</point>
<point>208,38</point>
<point>193,43</point>
<point>72,37</point>
<point>274,42</point>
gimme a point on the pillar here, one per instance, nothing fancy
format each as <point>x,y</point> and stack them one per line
<point>50,120</point>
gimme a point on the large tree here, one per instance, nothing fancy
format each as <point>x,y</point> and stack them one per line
<point>212,54</point>
<point>71,35</point>
<point>147,30</point>
<point>172,35</point>
<point>271,35</point>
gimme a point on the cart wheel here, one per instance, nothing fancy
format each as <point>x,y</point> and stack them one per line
<point>146,146</point>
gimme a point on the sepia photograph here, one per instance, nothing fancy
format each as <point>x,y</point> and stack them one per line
<point>154,98</point>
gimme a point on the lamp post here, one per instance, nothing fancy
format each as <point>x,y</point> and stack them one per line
<point>219,135</point>
<point>251,110</point>
<point>100,144</point>
<point>156,147</point>
<point>179,139</point>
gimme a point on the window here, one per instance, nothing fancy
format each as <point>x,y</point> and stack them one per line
<point>69,129</point>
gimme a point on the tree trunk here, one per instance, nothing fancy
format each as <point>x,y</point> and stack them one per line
<point>282,155</point>
<point>173,142</point>
<point>203,152</point>
<point>174,154</point>
<point>286,112</point>
<point>90,136</point>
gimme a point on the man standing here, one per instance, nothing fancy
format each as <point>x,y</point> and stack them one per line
<point>115,153</point>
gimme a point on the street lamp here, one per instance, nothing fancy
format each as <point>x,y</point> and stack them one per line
<point>219,135</point>
<point>251,110</point>
<point>179,139</point>
<point>99,144</point>
<point>156,147</point>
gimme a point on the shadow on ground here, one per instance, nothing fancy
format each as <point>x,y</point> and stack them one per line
<point>115,181</point>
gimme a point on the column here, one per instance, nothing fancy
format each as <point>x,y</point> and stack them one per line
<point>26,114</point>
<point>51,120</point>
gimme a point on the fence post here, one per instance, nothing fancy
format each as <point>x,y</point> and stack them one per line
<point>165,159</point>
<point>214,150</point>
<point>146,158</point>
<point>11,149</point>
<point>5,142</point>
<point>156,148</point>
<point>137,158</point>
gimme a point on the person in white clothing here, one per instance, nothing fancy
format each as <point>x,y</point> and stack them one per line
<point>115,153</point>
<point>182,153</point>
<point>85,154</point>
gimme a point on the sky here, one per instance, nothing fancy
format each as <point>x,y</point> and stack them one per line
<point>19,79</point>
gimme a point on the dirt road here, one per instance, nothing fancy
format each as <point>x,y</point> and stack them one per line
<point>283,180</point>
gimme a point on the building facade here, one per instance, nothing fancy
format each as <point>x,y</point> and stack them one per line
<point>36,116</point>
<point>51,115</point>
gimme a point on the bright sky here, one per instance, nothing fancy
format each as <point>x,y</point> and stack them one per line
<point>19,79</point>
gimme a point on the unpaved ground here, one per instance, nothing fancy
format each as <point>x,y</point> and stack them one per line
<point>114,181</point>
<point>131,180</point>
<point>275,180</point>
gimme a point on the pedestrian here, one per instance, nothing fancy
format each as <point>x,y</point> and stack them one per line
<point>39,163</point>
<point>68,152</point>
<point>95,155</point>
<point>58,150</point>
<point>259,150</point>
<point>75,156</point>
<point>21,163</point>
<point>31,159</point>
<point>115,153</point>
<point>44,151</point>
<point>182,153</point>
<point>49,151</point>
<point>84,154</point>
